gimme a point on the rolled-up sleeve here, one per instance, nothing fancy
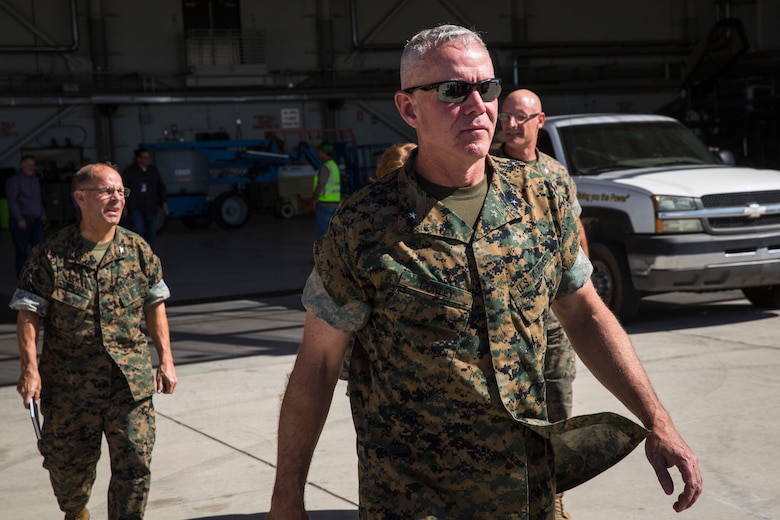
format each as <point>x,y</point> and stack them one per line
<point>26,301</point>
<point>576,276</point>
<point>349,317</point>
<point>160,292</point>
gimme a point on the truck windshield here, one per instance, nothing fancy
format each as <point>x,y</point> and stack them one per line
<point>597,148</point>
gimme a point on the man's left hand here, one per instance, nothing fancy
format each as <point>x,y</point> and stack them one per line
<point>166,379</point>
<point>665,448</point>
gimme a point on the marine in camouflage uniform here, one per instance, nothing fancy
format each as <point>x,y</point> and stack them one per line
<point>446,382</point>
<point>560,362</point>
<point>95,367</point>
<point>448,318</point>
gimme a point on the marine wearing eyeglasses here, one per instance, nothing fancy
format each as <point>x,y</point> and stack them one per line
<point>518,118</point>
<point>110,191</point>
<point>521,120</point>
<point>90,285</point>
<point>440,276</point>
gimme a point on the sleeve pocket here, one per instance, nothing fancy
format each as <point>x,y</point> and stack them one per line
<point>131,295</point>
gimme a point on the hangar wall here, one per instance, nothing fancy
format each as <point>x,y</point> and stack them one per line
<point>106,75</point>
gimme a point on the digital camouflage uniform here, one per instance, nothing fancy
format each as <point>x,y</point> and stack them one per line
<point>446,382</point>
<point>560,362</point>
<point>95,366</point>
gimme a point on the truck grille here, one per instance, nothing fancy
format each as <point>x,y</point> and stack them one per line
<point>724,200</point>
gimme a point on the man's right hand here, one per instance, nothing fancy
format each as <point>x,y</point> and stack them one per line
<point>22,224</point>
<point>29,387</point>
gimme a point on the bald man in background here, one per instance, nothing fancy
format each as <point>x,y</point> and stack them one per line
<point>521,118</point>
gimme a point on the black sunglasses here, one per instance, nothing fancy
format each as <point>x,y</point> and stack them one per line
<point>458,91</point>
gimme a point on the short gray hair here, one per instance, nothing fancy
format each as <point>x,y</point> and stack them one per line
<point>88,173</point>
<point>416,49</point>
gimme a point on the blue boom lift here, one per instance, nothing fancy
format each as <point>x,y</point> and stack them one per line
<point>208,180</point>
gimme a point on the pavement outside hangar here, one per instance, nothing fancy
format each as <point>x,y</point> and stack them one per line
<point>236,321</point>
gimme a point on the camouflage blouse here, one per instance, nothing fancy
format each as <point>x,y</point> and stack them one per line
<point>547,165</point>
<point>89,309</point>
<point>446,375</point>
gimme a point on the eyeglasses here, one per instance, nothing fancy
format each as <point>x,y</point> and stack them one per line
<point>458,91</point>
<point>107,192</point>
<point>518,118</point>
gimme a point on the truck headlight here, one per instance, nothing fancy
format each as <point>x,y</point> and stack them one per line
<point>678,226</point>
<point>669,203</point>
<point>679,223</point>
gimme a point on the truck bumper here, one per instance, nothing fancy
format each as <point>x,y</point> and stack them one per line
<point>703,262</point>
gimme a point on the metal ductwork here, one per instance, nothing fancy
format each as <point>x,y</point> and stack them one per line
<point>51,46</point>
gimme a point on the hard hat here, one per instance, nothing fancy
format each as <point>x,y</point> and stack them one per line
<point>326,147</point>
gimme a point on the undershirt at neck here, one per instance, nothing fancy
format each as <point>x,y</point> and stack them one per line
<point>98,250</point>
<point>464,202</point>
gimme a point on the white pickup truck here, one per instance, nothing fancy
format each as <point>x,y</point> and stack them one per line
<point>662,213</point>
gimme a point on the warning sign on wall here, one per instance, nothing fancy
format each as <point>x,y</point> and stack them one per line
<point>291,118</point>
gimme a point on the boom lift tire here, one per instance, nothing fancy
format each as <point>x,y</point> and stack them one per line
<point>287,210</point>
<point>230,210</point>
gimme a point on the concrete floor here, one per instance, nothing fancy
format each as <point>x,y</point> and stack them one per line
<point>236,322</point>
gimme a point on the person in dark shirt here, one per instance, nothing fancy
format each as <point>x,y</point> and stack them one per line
<point>148,196</point>
<point>26,212</point>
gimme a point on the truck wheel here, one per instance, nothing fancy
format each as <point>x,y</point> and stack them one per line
<point>612,280</point>
<point>767,296</point>
<point>230,210</point>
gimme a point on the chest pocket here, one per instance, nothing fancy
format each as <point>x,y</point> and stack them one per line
<point>429,310</point>
<point>71,315</point>
<point>73,295</point>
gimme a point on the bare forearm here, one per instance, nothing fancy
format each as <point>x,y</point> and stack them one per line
<point>29,384</point>
<point>159,331</point>
<point>605,348</point>
<point>27,324</point>
<point>304,409</point>
<point>157,323</point>
<point>301,419</point>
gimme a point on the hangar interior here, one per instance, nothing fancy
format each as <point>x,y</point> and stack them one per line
<point>91,80</point>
